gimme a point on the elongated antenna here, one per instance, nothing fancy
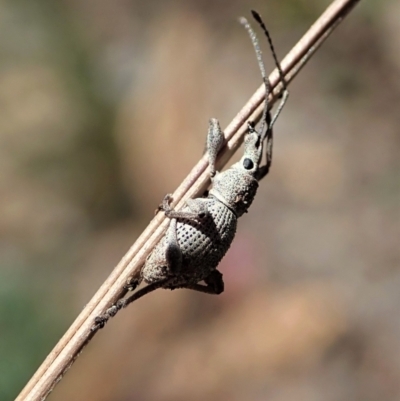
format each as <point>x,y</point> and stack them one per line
<point>285,94</point>
<point>254,40</point>
<point>261,66</point>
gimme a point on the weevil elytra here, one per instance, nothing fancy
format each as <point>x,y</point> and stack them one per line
<point>200,234</point>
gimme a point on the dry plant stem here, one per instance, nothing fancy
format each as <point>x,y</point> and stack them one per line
<point>79,334</point>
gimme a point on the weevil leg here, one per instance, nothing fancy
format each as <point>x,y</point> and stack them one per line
<point>214,284</point>
<point>269,138</point>
<point>122,303</point>
<point>215,141</point>
<point>197,209</point>
<point>100,321</point>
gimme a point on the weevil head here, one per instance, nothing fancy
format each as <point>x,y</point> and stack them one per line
<point>237,186</point>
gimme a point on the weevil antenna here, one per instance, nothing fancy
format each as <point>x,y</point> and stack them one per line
<point>285,94</point>
<point>261,66</point>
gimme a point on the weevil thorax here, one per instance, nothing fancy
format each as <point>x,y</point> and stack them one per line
<point>237,186</point>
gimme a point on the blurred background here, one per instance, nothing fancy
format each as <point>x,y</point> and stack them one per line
<point>104,109</point>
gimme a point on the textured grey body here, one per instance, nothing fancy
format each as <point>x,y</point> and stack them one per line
<point>203,243</point>
<point>200,234</point>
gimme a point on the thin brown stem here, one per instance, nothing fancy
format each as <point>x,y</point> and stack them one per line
<point>71,344</point>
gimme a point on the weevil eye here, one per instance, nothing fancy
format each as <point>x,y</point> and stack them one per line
<point>248,164</point>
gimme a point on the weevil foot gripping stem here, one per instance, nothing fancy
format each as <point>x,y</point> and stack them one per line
<point>100,321</point>
<point>132,284</point>
<point>165,205</point>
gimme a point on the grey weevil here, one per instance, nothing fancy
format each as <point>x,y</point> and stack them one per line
<point>200,234</point>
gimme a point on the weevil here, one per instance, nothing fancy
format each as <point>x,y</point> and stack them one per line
<point>200,234</point>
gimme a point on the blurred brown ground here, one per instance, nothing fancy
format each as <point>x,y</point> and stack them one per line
<point>104,109</point>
